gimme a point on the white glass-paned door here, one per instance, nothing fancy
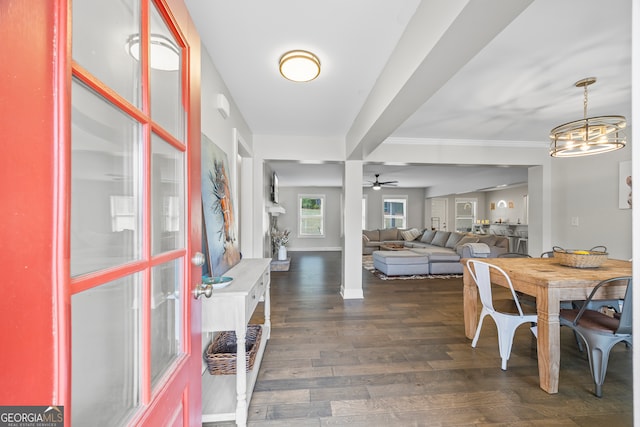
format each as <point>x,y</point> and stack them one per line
<point>465,214</point>
<point>107,205</point>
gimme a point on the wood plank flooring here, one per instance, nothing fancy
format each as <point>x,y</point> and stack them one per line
<point>400,358</point>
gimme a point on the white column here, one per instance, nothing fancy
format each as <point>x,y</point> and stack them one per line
<point>246,225</point>
<point>352,244</point>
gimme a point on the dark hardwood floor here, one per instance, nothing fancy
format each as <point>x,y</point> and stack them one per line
<point>399,357</point>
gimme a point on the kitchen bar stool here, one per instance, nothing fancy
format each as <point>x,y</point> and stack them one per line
<point>523,241</point>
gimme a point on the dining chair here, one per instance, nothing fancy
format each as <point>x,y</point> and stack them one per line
<point>524,298</point>
<point>599,331</point>
<point>507,314</point>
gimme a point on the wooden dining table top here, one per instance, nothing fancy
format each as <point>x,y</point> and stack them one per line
<point>550,273</point>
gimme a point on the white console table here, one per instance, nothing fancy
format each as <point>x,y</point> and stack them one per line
<point>227,397</point>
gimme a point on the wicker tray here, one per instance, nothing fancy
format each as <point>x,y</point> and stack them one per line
<point>582,259</point>
<point>221,354</point>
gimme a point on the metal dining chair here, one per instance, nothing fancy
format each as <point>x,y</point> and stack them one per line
<point>508,314</point>
<point>599,331</point>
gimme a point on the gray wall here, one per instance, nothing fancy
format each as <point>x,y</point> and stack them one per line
<point>415,206</point>
<point>332,239</point>
<point>586,188</point>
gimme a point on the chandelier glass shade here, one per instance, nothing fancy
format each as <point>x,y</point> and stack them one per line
<point>299,66</point>
<point>588,136</point>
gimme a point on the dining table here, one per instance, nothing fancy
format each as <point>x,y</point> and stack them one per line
<point>550,283</point>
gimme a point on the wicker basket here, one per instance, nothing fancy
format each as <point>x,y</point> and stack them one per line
<point>221,354</point>
<point>583,259</point>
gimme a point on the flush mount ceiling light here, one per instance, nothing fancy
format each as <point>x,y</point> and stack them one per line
<point>299,66</point>
<point>588,136</point>
<point>164,54</point>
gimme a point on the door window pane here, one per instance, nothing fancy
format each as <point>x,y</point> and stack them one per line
<point>102,34</point>
<point>395,213</point>
<point>105,202</point>
<point>105,378</point>
<point>166,315</point>
<point>167,196</point>
<point>165,74</point>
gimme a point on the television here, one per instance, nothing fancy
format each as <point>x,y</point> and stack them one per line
<point>274,188</point>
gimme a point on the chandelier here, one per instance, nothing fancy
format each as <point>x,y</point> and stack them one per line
<point>588,136</point>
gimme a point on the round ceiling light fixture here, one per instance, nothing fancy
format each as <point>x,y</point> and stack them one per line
<point>299,66</point>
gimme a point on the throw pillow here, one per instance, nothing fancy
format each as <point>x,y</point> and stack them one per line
<point>410,234</point>
<point>488,240</point>
<point>466,239</point>
<point>372,235</point>
<point>441,237</point>
<point>428,236</point>
<point>453,240</point>
<point>387,234</point>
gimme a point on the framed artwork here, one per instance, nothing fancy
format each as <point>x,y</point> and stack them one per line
<point>220,228</point>
<point>624,185</point>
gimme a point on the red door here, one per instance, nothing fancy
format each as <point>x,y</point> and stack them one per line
<point>101,210</point>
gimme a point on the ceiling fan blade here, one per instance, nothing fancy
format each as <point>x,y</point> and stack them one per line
<point>387,182</point>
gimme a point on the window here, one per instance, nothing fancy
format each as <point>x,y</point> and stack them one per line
<point>395,213</point>
<point>310,215</point>
<point>465,214</point>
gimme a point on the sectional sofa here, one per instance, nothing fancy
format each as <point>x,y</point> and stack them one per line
<point>430,251</point>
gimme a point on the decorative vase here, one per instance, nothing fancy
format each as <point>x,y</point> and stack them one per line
<point>282,253</point>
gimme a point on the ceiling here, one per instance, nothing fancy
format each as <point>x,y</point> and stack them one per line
<point>480,70</point>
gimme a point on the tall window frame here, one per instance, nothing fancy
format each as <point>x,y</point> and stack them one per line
<point>466,212</point>
<point>311,217</point>
<point>394,211</point>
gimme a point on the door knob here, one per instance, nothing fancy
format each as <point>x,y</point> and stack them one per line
<point>198,259</point>
<point>203,289</point>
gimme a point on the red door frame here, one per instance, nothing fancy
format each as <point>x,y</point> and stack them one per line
<point>35,83</point>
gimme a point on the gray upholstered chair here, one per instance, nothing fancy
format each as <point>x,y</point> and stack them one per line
<point>600,331</point>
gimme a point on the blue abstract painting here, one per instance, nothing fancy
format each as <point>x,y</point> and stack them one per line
<point>217,208</point>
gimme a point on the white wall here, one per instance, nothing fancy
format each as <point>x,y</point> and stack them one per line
<point>506,214</point>
<point>586,188</point>
<point>415,206</point>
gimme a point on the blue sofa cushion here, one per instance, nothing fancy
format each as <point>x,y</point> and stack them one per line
<point>441,238</point>
<point>428,236</point>
<point>453,240</point>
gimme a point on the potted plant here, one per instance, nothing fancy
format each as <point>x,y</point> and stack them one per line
<point>279,240</point>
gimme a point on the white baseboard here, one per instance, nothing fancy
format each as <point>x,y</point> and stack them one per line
<point>351,293</point>
<point>321,249</point>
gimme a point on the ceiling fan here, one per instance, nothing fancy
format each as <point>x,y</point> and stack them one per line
<point>377,184</point>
